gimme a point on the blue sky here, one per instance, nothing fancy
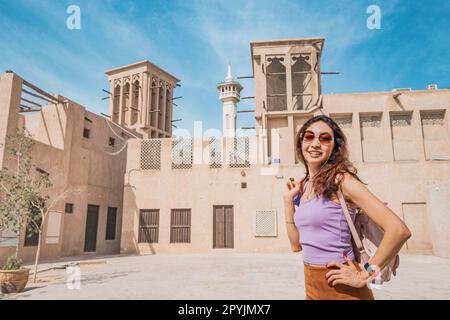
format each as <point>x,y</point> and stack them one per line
<point>194,40</point>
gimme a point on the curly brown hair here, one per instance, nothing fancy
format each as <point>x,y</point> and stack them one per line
<point>332,172</point>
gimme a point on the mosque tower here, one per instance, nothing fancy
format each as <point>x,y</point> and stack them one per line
<point>230,95</point>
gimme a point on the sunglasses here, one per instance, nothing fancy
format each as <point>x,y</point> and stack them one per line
<point>324,138</point>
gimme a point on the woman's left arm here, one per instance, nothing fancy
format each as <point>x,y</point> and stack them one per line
<point>395,230</point>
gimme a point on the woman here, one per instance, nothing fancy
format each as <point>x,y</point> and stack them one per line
<point>318,226</point>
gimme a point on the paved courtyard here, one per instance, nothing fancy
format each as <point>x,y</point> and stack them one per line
<point>218,276</point>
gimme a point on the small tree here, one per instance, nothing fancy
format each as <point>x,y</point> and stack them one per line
<point>39,217</point>
<point>23,194</point>
<point>21,185</point>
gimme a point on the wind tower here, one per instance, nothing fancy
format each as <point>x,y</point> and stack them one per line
<point>141,98</point>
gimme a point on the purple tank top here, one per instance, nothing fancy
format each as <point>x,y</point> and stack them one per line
<point>324,232</point>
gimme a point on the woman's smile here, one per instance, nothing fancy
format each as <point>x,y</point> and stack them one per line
<point>315,153</point>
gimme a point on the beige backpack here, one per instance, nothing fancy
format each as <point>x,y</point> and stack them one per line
<point>367,237</point>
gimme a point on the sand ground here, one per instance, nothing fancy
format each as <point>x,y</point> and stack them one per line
<point>216,276</point>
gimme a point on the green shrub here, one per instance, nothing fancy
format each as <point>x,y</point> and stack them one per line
<point>13,263</point>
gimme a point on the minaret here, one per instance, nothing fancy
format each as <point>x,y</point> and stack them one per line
<point>230,95</point>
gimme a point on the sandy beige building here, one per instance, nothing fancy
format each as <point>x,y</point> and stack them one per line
<point>84,154</point>
<point>208,199</point>
<point>224,192</point>
<point>80,151</point>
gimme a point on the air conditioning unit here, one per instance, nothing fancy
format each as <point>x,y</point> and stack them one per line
<point>401,89</point>
<point>432,87</point>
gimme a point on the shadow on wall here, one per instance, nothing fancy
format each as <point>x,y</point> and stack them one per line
<point>48,127</point>
<point>130,236</point>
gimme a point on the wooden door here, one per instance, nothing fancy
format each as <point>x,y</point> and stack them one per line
<point>90,240</point>
<point>223,227</point>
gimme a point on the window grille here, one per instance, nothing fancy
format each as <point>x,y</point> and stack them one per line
<point>181,153</point>
<point>151,154</point>
<point>266,223</point>
<point>371,121</point>
<point>401,120</point>
<point>215,152</point>
<point>432,118</point>
<point>238,152</point>
<point>343,122</point>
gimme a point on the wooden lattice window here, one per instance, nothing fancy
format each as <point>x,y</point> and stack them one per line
<point>276,83</point>
<point>238,152</point>
<point>151,154</point>
<point>181,153</point>
<point>180,226</point>
<point>215,152</point>
<point>148,226</point>
<point>301,81</point>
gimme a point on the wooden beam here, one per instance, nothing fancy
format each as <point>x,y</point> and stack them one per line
<point>40,91</point>
<point>35,95</point>
<point>30,110</point>
<point>32,102</point>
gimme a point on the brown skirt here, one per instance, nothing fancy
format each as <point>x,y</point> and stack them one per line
<point>317,287</point>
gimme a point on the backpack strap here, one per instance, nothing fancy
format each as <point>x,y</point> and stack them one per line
<point>351,225</point>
